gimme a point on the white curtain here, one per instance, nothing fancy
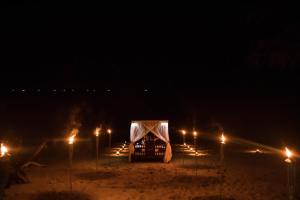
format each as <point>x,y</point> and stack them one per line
<point>139,129</point>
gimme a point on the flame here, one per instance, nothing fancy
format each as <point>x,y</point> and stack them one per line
<point>97,131</point>
<point>4,150</point>
<point>184,144</point>
<point>109,131</point>
<point>289,155</point>
<point>118,152</point>
<point>73,135</point>
<point>223,139</point>
<point>195,133</point>
<point>183,132</point>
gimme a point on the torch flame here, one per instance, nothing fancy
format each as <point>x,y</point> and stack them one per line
<point>289,155</point>
<point>4,150</point>
<point>195,133</point>
<point>109,131</point>
<point>223,139</point>
<point>73,135</point>
<point>97,131</point>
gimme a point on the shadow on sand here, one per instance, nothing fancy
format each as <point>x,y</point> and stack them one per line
<point>203,181</point>
<point>198,166</point>
<point>212,198</point>
<point>94,176</point>
<point>64,195</point>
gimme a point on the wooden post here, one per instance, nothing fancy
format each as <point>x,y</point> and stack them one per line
<point>70,165</point>
<point>97,151</point>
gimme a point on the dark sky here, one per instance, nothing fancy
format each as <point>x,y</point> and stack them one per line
<point>237,64</point>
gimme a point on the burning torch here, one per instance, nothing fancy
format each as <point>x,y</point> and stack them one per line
<point>291,173</point>
<point>71,140</point>
<point>97,134</point>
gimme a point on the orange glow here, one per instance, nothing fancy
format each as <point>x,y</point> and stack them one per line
<point>289,155</point>
<point>73,134</point>
<point>109,131</point>
<point>118,152</point>
<point>195,133</point>
<point>223,139</point>
<point>183,132</point>
<point>4,150</point>
<point>97,131</point>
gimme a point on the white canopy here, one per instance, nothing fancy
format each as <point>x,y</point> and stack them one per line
<point>139,129</point>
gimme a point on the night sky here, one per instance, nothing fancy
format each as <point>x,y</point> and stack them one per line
<point>199,65</point>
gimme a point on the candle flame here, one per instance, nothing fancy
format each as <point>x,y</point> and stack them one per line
<point>183,132</point>
<point>109,131</point>
<point>97,131</point>
<point>118,153</point>
<point>4,150</point>
<point>223,139</point>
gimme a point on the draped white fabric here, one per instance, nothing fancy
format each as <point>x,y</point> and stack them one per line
<point>139,129</point>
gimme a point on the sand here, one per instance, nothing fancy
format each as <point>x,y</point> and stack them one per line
<point>242,176</point>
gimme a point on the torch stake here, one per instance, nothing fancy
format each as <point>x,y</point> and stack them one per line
<point>97,151</point>
<point>195,147</point>
<point>222,169</point>
<point>109,141</point>
<point>70,165</point>
<point>291,179</point>
<point>222,155</point>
